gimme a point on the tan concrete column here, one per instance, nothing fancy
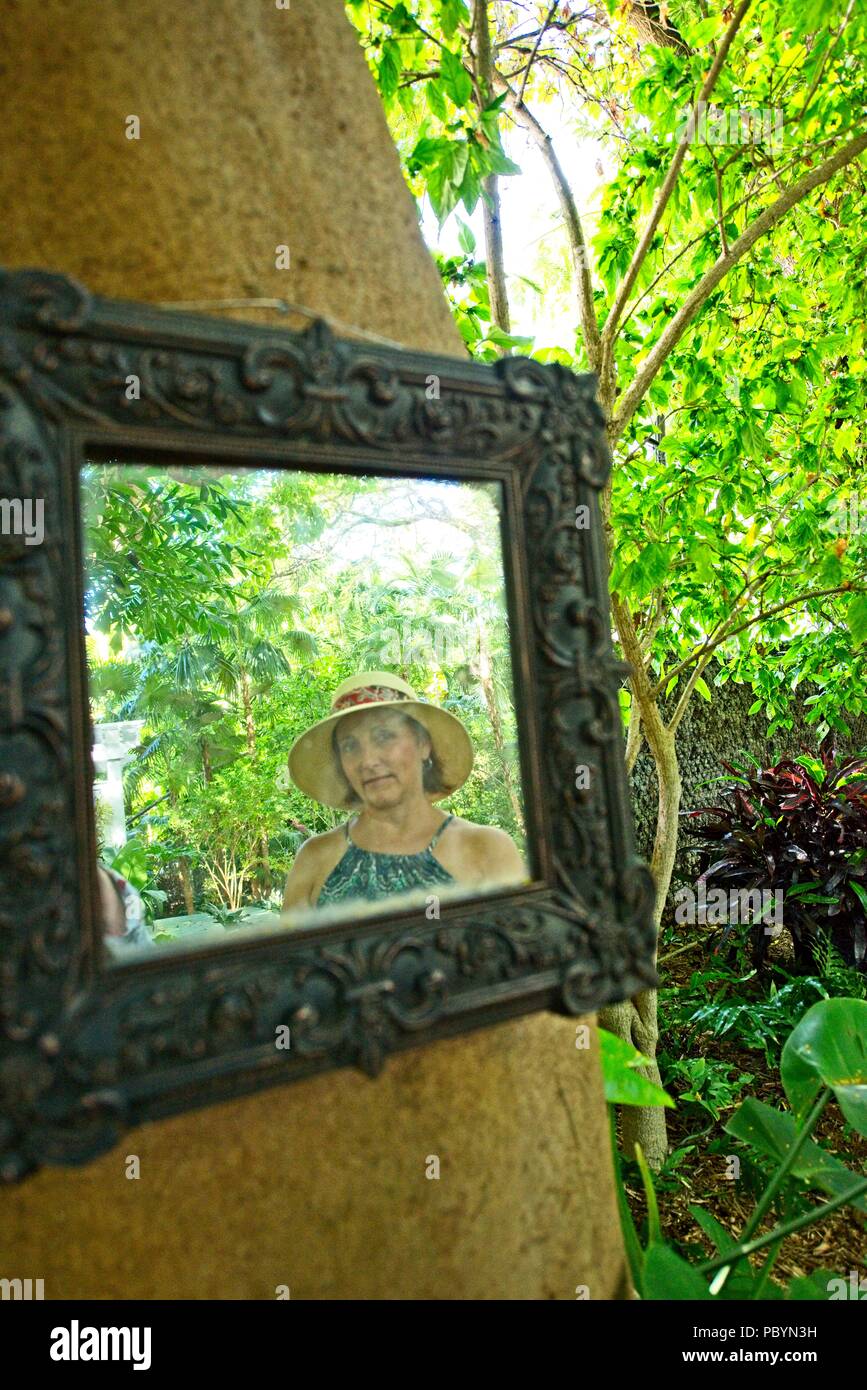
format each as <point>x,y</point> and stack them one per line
<point>261,127</point>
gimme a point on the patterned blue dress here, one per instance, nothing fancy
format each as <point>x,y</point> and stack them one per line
<point>364,873</point>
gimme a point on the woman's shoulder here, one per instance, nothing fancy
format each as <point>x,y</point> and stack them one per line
<point>474,833</point>
<point>322,845</point>
<point>487,849</point>
<point>488,841</point>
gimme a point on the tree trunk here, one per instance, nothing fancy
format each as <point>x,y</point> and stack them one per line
<point>186,884</point>
<point>249,725</point>
<point>635,1020</point>
<point>652,25</point>
<point>646,1124</point>
<point>494,258</point>
<point>486,680</point>
<point>264,884</point>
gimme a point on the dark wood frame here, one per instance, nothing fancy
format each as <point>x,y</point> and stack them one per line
<point>85,1051</point>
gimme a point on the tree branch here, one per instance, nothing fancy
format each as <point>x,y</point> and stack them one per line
<point>494,255</point>
<point>690,307</point>
<point>574,230</point>
<point>665,192</point>
<point>539,37</point>
<point>710,647</point>
<point>683,700</point>
<point>729,212</point>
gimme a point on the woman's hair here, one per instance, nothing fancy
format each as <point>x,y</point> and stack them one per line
<point>432,775</point>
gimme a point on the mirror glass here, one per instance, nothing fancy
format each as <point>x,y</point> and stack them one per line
<point>301,697</point>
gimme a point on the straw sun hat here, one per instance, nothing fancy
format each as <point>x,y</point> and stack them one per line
<point>312,763</point>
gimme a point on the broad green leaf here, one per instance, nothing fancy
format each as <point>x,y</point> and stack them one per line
<point>668,1276</point>
<point>455,79</point>
<point>453,13</point>
<point>723,1240</point>
<point>773,1132</point>
<point>435,98</point>
<point>623,1085</point>
<point>466,239</point>
<point>811,1286</point>
<point>856,617</point>
<point>829,1048</point>
<point>389,68</point>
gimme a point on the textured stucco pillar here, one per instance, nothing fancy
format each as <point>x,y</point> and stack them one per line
<point>262,127</point>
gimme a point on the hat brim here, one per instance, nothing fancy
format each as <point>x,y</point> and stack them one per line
<point>314,771</point>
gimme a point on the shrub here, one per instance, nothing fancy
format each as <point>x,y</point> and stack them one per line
<point>800,827</point>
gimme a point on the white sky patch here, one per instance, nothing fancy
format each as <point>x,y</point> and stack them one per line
<point>531,218</point>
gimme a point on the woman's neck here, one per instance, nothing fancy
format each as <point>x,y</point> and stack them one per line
<point>406,828</point>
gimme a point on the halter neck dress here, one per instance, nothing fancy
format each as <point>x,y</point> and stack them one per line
<point>365,873</point>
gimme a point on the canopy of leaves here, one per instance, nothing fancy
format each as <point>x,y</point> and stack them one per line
<point>223,614</point>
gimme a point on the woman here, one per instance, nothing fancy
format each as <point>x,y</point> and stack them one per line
<point>391,756</point>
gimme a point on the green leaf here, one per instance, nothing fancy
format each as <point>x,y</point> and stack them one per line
<point>856,617</point>
<point>389,68</point>
<point>829,1048</point>
<point>701,687</point>
<point>453,13</point>
<point>623,1085</point>
<point>773,1132</point>
<point>470,188</point>
<point>634,1252</point>
<point>811,1286</point>
<point>435,99</point>
<point>860,893</point>
<point>654,1228</point>
<point>499,163</point>
<point>723,1241</point>
<point>668,1276</point>
<point>455,79</point>
<point>445,177</point>
<point>466,239</point>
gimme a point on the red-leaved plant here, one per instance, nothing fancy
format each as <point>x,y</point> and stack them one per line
<point>799,829</point>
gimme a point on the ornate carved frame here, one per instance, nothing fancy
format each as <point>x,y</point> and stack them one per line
<point>86,1051</point>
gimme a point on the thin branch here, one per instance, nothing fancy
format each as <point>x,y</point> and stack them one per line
<point>539,37</point>
<point>690,307</point>
<point>749,622</point>
<point>735,207</point>
<point>724,246</point>
<point>686,693</point>
<point>665,192</point>
<point>483,70</point>
<point>817,79</point>
<point>634,737</point>
<point>575,231</point>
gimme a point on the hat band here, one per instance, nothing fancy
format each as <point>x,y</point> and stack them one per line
<point>368,695</point>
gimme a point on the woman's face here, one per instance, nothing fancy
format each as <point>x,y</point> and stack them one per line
<point>381,757</point>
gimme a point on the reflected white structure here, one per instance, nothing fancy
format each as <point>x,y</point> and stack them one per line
<point>112,745</point>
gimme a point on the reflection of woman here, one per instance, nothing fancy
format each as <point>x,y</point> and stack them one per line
<point>123,914</point>
<point>390,756</point>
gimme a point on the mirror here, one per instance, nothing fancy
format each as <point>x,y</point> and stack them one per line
<point>301,697</point>
<point>293,615</point>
